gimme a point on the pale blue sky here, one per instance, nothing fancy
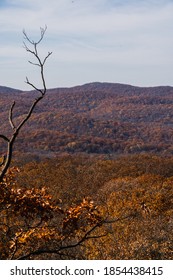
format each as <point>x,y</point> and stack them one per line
<point>127,41</point>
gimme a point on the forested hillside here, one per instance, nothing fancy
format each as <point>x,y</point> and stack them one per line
<point>135,192</point>
<point>97,118</point>
<point>91,176</point>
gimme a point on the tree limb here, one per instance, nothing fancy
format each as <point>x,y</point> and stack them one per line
<point>63,247</point>
<point>85,237</point>
<point>17,128</point>
<point>4,137</point>
<point>11,115</point>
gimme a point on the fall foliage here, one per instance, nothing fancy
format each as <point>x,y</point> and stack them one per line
<point>96,118</point>
<point>92,209</point>
<point>33,224</point>
<point>91,180</point>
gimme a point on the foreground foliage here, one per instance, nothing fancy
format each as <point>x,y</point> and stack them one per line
<point>47,211</point>
<point>32,223</point>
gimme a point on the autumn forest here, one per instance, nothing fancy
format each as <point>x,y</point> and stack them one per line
<point>97,160</point>
<point>85,172</point>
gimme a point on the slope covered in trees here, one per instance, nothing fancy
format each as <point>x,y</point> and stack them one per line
<point>116,204</point>
<point>134,193</point>
<point>96,118</point>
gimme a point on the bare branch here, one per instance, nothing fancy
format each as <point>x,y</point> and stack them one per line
<point>29,114</point>
<point>42,33</point>
<point>39,62</point>
<point>16,129</point>
<point>11,116</point>
<point>106,221</point>
<point>27,38</point>
<point>4,137</point>
<point>32,85</point>
<point>36,64</point>
<point>49,53</point>
<point>32,42</point>
<point>27,48</point>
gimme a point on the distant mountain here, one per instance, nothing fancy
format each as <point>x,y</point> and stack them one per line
<point>4,89</point>
<point>95,118</point>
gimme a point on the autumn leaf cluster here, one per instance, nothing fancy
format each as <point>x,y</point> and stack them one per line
<point>32,222</point>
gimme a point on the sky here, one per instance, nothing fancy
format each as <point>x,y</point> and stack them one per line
<point>119,41</point>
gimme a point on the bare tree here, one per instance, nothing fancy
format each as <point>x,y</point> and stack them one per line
<point>31,223</point>
<point>30,46</point>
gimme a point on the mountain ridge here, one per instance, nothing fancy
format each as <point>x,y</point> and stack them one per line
<point>89,86</point>
<point>5,89</point>
<point>104,85</point>
<point>95,118</point>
